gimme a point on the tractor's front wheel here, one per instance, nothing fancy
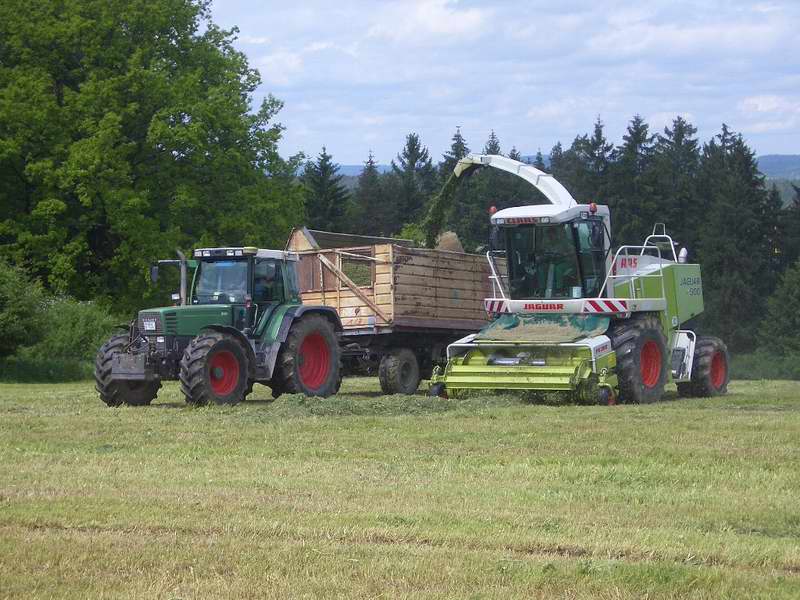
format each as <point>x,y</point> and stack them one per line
<point>116,392</point>
<point>710,373</point>
<point>641,350</point>
<point>310,360</point>
<point>214,370</point>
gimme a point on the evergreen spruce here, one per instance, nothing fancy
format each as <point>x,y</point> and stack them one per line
<point>326,196</point>
<point>415,179</point>
<point>492,145</point>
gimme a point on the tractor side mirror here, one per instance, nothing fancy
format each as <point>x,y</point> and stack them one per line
<point>154,273</point>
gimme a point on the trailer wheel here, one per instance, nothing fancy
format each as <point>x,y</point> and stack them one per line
<point>641,359</point>
<point>214,370</point>
<point>710,372</point>
<point>399,372</point>
<point>310,360</point>
<point>116,392</point>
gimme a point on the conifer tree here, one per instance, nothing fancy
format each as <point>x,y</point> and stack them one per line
<point>538,161</point>
<point>458,150</point>
<point>369,213</point>
<point>492,144</point>
<point>415,179</point>
<point>514,154</point>
<point>630,189</point>
<point>676,160</point>
<point>326,196</point>
<point>734,240</point>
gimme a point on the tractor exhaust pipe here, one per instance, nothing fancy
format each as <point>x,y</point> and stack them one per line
<point>184,269</point>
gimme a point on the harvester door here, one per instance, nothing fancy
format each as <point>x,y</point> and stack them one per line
<point>683,355</point>
<point>591,251</point>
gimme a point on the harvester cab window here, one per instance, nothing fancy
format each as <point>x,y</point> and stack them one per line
<point>267,281</point>
<point>543,262</point>
<point>591,252</point>
<point>221,282</point>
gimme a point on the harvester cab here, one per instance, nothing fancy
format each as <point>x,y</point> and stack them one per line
<point>571,314</point>
<point>239,321</point>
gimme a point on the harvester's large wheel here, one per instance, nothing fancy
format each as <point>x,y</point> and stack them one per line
<point>115,392</point>
<point>641,359</point>
<point>310,360</point>
<point>214,369</point>
<point>710,373</point>
<point>399,372</point>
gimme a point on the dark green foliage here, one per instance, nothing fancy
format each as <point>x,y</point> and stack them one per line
<point>326,197</point>
<point>538,161</point>
<point>21,303</point>
<point>790,230</point>
<point>734,235</point>
<point>458,150</point>
<point>780,329</point>
<point>127,131</point>
<point>415,179</point>
<point>369,213</point>
<point>73,330</point>
<point>492,145</point>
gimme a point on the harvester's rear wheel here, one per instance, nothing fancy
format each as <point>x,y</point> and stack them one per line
<point>710,373</point>
<point>310,360</point>
<point>214,370</point>
<point>641,359</point>
<point>115,392</point>
<point>399,372</point>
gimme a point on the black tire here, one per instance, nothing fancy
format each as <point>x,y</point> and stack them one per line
<point>310,360</point>
<point>642,360</point>
<point>116,392</point>
<point>214,370</point>
<point>399,372</point>
<point>710,369</point>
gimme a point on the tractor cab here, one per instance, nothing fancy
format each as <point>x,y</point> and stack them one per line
<point>551,253</point>
<point>244,276</point>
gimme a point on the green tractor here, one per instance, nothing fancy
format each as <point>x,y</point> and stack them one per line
<point>240,321</point>
<point>573,315</point>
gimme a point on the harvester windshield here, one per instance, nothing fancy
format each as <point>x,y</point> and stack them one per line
<point>555,261</point>
<point>222,281</point>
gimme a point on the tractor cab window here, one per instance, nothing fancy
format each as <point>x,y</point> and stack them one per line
<point>268,281</point>
<point>543,262</point>
<point>221,282</point>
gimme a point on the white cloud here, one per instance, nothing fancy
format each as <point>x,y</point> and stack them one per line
<point>258,40</point>
<point>426,21</point>
<point>279,67</point>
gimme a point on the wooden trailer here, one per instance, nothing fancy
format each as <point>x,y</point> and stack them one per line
<point>400,305</point>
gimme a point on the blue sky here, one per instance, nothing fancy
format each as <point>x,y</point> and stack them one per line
<point>356,76</point>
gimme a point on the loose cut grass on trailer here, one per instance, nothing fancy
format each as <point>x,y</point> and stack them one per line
<point>363,495</point>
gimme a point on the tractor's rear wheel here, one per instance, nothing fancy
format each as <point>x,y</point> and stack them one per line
<point>642,365</point>
<point>399,372</point>
<point>310,360</point>
<point>116,392</point>
<point>710,372</point>
<point>214,369</point>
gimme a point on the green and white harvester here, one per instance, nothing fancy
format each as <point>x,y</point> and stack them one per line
<point>571,314</point>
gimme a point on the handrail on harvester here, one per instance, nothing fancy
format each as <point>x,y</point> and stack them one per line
<point>633,276</point>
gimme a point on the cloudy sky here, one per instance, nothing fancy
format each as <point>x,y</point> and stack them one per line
<point>356,76</point>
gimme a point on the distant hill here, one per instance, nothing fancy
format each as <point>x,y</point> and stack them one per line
<point>780,166</point>
<point>355,170</point>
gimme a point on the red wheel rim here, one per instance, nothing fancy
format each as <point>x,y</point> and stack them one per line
<point>719,370</point>
<point>650,364</point>
<point>223,372</point>
<point>315,361</point>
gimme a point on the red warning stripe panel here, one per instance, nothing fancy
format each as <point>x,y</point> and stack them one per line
<point>495,306</point>
<point>605,306</point>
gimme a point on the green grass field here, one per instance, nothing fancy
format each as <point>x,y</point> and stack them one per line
<point>371,496</point>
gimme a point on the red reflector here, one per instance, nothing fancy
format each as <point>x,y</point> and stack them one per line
<point>592,207</point>
<point>492,210</point>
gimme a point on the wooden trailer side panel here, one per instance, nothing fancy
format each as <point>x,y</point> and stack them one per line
<point>320,286</point>
<point>437,288</point>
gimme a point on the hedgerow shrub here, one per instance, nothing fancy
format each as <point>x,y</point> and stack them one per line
<point>21,304</point>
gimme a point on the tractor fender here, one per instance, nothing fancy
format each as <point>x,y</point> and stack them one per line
<point>297,312</point>
<point>248,347</point>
